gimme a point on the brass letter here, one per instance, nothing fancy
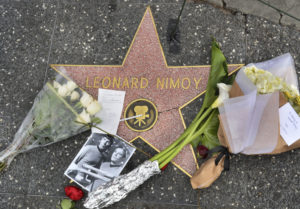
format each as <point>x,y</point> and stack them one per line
<point>125,83</point>
<point>197,82</point>
<point>167,79</point>
<point>145,84</point>
<point>87,83</point>
<point>134,82</point>
<point>182,82</point>
<point>174,85</point>
<point>108,82</point>
<point>117,83</point>
<point>161,83</point>
<point>96,82</point>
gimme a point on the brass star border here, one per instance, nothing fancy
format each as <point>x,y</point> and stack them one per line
<point>148,10</point>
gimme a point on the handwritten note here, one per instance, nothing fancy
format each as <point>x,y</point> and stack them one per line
<point>111,102</point>
<point>289,124</point>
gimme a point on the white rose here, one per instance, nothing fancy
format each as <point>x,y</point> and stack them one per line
<point>93,108</point>
<point>71,85</point>
<point>63,90</point>
<point>86,99</point>
<point>74,96</point>
<point>56,84</point>
<point>223,94</point>
<point>84,117</point>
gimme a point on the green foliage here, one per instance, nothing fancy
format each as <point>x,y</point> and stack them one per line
<point>209,138</point>
<point>67,204</point>
<point>218,74</point>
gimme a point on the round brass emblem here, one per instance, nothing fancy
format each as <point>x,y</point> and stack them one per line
<point>148,115</point>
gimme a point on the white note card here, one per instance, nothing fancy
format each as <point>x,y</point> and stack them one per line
<point>111,102</point>
<point>289,124</point>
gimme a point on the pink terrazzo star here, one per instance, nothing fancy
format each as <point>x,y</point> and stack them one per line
<point>145,74</point>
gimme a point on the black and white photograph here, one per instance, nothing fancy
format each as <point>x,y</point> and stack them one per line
<point>101,159</point>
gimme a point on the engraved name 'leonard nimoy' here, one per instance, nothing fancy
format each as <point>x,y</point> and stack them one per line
<point>142,82</point>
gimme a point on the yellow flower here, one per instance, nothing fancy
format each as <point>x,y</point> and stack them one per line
<point>266,82</point>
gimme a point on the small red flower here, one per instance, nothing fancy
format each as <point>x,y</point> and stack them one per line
<point>202,150</point>
<point>163,168</point>
<point>73,192</point>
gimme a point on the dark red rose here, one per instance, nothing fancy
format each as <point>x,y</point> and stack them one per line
<point>73,192</point>
<point>202,150</point>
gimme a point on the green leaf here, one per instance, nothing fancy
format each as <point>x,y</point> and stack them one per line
<point>195,142</point>
<point>218,73</point>
<point>67,204</point>
<point>209,138</point>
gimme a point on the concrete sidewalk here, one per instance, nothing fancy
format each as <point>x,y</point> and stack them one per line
<point>277,11</point>
<point>37,33</point>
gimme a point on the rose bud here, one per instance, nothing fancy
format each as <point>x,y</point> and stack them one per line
<point>86,99</point>
<point>84,117</point>
<point>202,150</point>
<point>93,107</point>
<point>63,90</point>
<point>73,192</point>
<point>71,85</point>
<point>74,96</point>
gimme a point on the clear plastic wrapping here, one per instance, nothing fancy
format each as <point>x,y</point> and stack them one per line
<point>251,121</point>
<point>60,110</point>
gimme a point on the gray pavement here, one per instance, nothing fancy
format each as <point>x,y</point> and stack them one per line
<point>36,33</point>
<point>277,11</point>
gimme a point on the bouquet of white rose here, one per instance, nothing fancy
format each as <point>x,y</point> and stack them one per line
<point>60,110</point>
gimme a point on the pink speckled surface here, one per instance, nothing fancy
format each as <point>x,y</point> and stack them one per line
<point>145,59</point>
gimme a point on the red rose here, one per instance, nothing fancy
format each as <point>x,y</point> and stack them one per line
<point>73,192</point>
<point>202,150</point>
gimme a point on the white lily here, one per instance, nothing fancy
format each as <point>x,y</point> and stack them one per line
<point>84,117</point>
<point>71,85</point>
<point>74,96</point>
<point>93,108</point>
<point>223,94</point>
<point>63,90</point>
<point>86,99</point>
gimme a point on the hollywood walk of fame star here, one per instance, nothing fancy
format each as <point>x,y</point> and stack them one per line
<point>145,74</point>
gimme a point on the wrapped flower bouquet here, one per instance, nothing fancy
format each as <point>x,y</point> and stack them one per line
<point>249,119</point>
<point>60,110</point>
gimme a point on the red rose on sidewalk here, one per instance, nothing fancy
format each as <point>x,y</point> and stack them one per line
<point>74,193</point>
<point>202,150</point>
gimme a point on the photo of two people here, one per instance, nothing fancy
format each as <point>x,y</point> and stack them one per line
<point>101,159</point>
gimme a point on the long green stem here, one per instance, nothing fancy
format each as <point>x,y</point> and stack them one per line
<point>171,154</point>
<point>170,157</point>
<point>195,127</point>
<point>174,144</point>
<point>188,132</point>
